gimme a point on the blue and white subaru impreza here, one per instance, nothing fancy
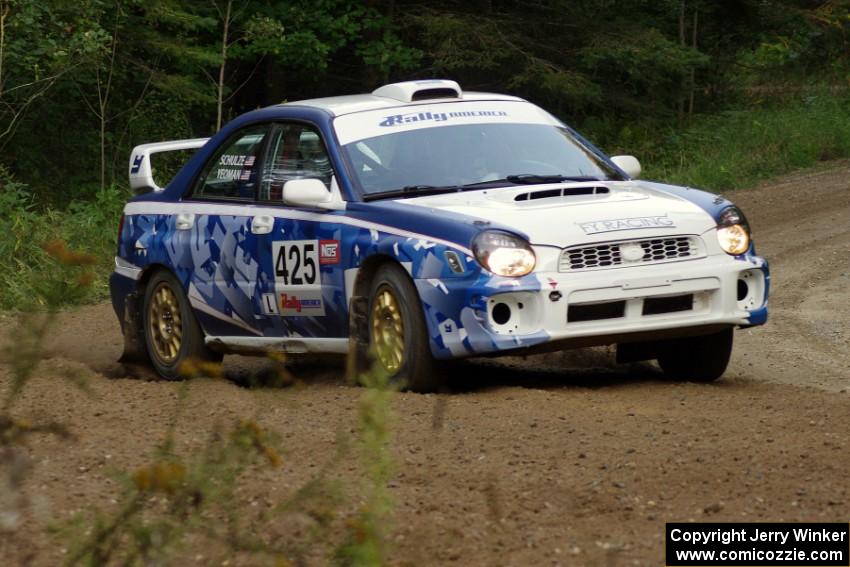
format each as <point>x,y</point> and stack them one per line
<point>422,223</point>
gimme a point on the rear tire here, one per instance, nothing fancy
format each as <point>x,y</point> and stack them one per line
<point>398,335</point>
<point>172,334</point>
<point>696,359</point>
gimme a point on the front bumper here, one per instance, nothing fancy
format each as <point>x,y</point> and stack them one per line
<point>494,314</point>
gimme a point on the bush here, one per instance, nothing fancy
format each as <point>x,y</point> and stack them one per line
<point>26,229</point>
<point>739,148</point>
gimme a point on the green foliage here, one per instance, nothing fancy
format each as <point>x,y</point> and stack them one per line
<point>44,38</point>
<point>26,235</point>
<point>800,40</point>
<point>647,62</point>
<point>263,34</point>
<point>739,148</point>
<point>23,258</point>
<point>388,53</point>
<point>366,544</point>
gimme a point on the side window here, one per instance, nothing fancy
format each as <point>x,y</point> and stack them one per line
<point>231,172</point>
<point>296,152</point>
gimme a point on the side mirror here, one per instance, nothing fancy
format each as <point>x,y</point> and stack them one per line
<point>629,164</point>
<point>306,193</point>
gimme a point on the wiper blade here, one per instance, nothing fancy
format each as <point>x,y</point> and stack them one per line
<point>532,178</point>
<point>420,188</point>
<point>526,179</point>
<point>412,191</point>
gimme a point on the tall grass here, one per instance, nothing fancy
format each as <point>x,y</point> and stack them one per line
<point>366,541</point>
<point>25,230</point>
<point>739,148</point>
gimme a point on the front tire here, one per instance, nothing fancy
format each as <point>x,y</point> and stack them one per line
<point>172,334</point>
<point>696,359</point>
<point>398,336</point>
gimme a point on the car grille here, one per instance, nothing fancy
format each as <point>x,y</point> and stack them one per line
<point>611,255</point>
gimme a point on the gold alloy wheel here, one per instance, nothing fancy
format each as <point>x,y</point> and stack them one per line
<point>165,324</point>
<point>387,330</point>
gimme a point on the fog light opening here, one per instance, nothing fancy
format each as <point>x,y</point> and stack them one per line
<point>501,313</point>
<point>743,289</point>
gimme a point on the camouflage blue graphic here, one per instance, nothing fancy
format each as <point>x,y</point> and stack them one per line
<point>226,270</point>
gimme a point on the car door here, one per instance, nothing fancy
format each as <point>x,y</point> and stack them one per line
<point>222,255</point>
<point>301,279</point>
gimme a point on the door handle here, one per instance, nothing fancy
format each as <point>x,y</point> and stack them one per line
<point>262,224</point>
<point>185,221</point>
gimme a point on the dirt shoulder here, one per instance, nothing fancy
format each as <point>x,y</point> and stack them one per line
<point>557,459</point>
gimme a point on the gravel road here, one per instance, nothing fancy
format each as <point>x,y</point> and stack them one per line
<point>562,459</point>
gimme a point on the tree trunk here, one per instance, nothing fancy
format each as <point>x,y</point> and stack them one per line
<point>693,84</point>
<point>102,151</point>
<point>224,37</point>
<point>103,94</point>
<point>3,15</point>
<point>681,102</point>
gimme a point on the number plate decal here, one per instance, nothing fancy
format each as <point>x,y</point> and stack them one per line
<point>298,282</point>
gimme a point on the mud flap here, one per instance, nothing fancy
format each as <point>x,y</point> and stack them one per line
<point>358,338</point>
<point>134,338</point>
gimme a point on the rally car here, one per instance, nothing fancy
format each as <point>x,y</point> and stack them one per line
<point>422,223</point>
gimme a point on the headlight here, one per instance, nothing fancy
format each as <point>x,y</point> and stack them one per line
<point>503,253</point>
<point>733,232</point>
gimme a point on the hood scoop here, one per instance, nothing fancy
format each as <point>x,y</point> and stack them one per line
<point>561,192</point>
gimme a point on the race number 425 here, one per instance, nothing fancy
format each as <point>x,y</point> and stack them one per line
<point>296,262</point>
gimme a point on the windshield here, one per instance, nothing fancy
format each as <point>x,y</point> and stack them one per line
<point>457,155</point>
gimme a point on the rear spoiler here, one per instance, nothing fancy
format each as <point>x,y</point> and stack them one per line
<point>141,173</point>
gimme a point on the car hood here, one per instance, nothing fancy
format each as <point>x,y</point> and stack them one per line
<point>566,214</point>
